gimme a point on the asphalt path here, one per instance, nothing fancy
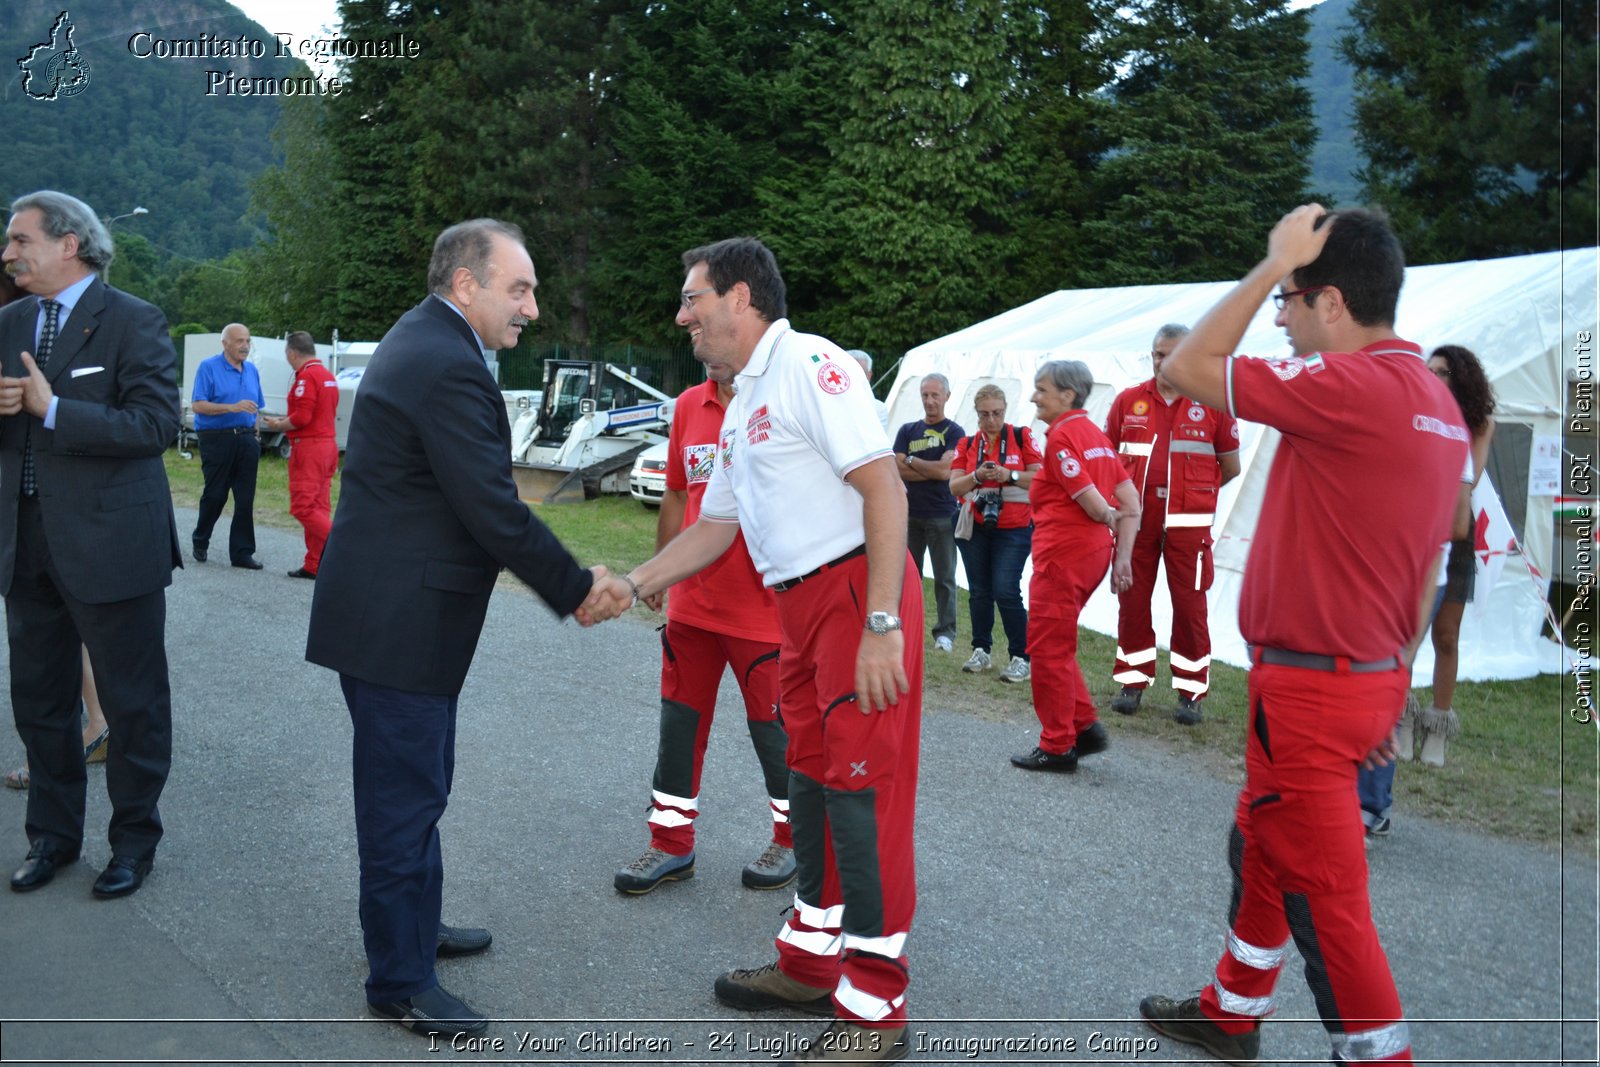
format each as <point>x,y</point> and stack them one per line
<point>1048,905</point>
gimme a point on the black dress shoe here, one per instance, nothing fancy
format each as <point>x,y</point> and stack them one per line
<point>462,940</point>
<point>40,866</point>
<point>1040,760</point>
<point>199,554</point>
<point>1094,739</point>
<point>301,572</point>
<point>121,877</point>
<point>434,1011</point>
<point>248,563</point>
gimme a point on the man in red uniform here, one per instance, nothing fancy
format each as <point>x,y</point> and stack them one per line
<point>314,458</point>
<point>1178,453</point>
<point>722,617</point>
<point>806,472</point>
<point>1335,591</point>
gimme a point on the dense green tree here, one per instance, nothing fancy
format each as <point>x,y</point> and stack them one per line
<point>1065,58</point>
<point>1213,132</point>
<point>697,141</point>
<point>905,235</point>
<point>500,116</point>
<point>1477,119</point>
<point>294,288</point>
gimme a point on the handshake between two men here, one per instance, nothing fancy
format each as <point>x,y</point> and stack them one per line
<point>610,596</point>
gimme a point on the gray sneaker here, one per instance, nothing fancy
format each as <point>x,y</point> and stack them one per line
<point>978,661</point>
<point>1182,1020</point>
<point>651,869</point>
<point>1019,670</point>
<point>943,643</point>
<point>773,869</point>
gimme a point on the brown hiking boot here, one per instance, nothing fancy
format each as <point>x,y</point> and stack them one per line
<point>848,1042</point>
<point>1182,1020</point>
<point>768,987</point>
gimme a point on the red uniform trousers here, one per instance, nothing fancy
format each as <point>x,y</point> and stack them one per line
<point>852,796</point>
<point>1300,864</point>
<point>1056,595</point>
<point>313,461</point>
<point>692,660</point>
<point>1187,553</point>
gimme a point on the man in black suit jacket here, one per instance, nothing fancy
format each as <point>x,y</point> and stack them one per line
<point>428,515</point>
<point>88,404</point>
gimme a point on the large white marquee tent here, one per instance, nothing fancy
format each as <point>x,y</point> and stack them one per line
<point>1522,316</point>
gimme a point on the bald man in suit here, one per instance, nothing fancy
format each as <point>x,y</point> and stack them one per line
<point>88,543</point>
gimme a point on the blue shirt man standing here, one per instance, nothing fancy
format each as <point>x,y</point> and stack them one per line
<point>227,395</point>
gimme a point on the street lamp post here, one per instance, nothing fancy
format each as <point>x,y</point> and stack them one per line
<point>128,215</point>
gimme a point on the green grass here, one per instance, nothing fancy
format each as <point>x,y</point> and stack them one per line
<point>1522,768</point>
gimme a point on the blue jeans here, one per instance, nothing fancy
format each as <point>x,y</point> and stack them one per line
<point>1376,789</point>
<point>993,559</point>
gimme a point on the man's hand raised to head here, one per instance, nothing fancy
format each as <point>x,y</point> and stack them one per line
<point>1297,239</point>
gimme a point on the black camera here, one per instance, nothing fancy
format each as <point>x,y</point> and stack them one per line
<point>989,508</point>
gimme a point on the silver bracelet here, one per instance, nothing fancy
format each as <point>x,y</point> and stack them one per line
<point>632,585</point>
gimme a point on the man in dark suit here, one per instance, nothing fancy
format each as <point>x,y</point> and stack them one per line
<point>88,403</point>
<point>428,515</point>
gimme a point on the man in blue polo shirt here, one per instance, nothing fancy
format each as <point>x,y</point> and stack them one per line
<point>227,395</point>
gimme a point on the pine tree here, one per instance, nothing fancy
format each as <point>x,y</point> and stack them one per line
<point>1066,57</point>
<point>1213,134</point>
<point>1477,119</point>
<point>712,104</point>
<point>905,235</point>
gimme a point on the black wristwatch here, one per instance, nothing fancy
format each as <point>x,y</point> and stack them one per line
<point>1013,477</point>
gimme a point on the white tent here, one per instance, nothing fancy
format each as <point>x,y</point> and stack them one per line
<point>1521,316</point>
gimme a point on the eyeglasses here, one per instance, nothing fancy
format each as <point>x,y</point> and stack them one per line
<point>1281,299</point>
<point>686,300</point>
<point>992,414</point>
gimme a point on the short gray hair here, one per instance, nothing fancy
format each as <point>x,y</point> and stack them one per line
<point>1070,374</point>
<point>65,214</point>
<point>862,358</point>
<point>467,244</point>
<point>1170,332</point>
<point>944,383</point>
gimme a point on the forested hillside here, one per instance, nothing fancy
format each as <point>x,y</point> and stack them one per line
<point>143,132</point>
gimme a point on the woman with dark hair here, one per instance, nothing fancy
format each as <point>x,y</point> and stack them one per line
<point>1459,369</point>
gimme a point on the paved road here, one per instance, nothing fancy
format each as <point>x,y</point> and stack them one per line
<point>1049,905</point>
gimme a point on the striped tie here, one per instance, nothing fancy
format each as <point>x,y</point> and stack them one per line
<point>47,341</point>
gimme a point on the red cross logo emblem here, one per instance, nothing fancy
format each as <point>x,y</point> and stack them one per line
<point>833,378</point>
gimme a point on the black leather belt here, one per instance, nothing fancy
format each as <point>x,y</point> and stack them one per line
<point>859,550</point>
<point>233,431</point>
<point>1279,657</point>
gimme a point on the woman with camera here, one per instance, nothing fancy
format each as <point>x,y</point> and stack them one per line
<point>990,474</point>
<point>1080,495</point>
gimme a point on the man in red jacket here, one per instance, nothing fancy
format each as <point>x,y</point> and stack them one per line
<point>1179,453</point>
<point>314,459</point>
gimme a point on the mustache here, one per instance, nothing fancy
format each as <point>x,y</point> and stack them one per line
<point>520,320</point>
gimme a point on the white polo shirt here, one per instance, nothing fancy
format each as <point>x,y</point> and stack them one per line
<point>801,419</point>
